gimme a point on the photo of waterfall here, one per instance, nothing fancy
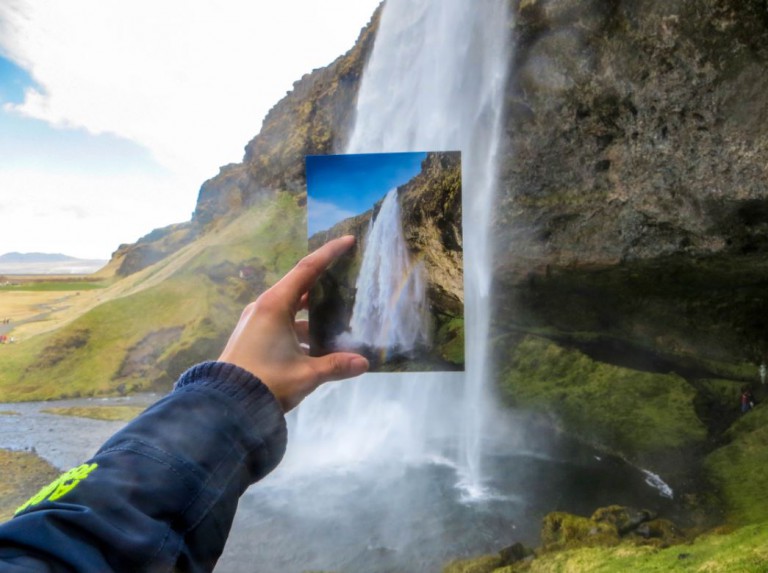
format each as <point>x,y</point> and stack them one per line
<point>399,297</point>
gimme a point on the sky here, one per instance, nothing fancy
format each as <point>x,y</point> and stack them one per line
<point>342,186</point>
<point>113,113</point>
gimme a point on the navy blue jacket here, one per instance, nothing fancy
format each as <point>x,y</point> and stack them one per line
<point>160,495</point>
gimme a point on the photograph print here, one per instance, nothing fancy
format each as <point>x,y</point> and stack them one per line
<point>398,296</point>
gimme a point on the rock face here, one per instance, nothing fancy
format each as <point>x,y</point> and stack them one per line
<point>431,210</point>
<point>154,247</point>
<point>313,118</point>
<point>634,199</point>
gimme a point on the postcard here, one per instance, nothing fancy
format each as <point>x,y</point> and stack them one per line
<point>398,296</point>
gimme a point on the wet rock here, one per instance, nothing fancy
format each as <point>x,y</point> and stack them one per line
<point>625,519</point>
<point>514,553</point>
<point>658,532</point>
<point>562,530</point>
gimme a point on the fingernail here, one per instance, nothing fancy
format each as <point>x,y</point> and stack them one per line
<point>358,365</point>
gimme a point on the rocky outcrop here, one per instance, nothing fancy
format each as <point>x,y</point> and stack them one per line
<point>633,216</point>
<point>153,247</point>
<point>313,118</point>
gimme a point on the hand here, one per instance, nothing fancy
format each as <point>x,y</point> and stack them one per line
<point>267,339</point>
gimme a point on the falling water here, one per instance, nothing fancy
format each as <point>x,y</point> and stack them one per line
<point>434,82</point>
<point>390,310</point>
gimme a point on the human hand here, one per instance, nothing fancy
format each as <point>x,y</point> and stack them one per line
<point>267,339</point>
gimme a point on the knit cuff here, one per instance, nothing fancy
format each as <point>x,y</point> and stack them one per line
<point>262,413</point>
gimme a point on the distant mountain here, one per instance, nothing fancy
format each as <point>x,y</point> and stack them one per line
<point>35,258</point>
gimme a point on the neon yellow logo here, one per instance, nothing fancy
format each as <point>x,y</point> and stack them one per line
<point>59,487</point>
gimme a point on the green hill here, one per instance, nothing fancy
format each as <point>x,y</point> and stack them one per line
<point>152,325</point>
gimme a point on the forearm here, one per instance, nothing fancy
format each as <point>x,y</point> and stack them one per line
<point>165,488</point>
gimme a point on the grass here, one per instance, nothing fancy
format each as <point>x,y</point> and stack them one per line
<point>24,473</point>
<point>111,413</point>
<point>739,468</point>
<point>631,413</point>
<point>182,293</point>
<point>744,550</point>
<point>741,551</point>
<point>49,286</point>
<point>9,413</point>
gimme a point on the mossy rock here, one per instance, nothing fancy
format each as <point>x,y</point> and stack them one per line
<point>625,519</point>
<point>658,533</point>
<point>642,416</point>
<point>738,468</point>
<point>484,564</point>
<point>562,530</point>
<point>450,341</point>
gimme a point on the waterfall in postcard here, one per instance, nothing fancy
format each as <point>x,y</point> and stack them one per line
<point>390,311</point>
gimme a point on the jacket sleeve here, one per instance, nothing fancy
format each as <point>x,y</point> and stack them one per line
<point>161,494</point>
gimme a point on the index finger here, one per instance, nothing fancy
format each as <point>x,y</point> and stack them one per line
<point>301,277</point>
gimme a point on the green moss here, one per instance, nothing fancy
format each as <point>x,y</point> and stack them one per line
<point>629,412</point>
<point>744,551</point>
<point>739,467</point>
<point>563,530</point>
<point>450,341</point>
<point>484,564</point>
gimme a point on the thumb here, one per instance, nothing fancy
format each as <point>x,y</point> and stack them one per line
<point>339,365</point>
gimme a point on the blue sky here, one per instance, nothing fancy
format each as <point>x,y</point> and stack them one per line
<point>341,186</point>
<point>111,120</point>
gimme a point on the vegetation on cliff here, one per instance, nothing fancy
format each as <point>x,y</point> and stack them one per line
<point>152,325</point>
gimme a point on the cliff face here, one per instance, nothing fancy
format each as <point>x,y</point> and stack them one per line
<point>633,218</point>
<point>313,118</point>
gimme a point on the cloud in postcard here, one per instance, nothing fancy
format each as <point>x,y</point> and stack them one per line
<point>323,215</point>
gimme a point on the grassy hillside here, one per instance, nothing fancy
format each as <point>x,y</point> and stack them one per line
<point>652,417</point>
<point>145,329</point>
<point>741,551</point>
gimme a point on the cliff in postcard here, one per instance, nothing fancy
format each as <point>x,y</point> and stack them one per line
<point>431,219</point>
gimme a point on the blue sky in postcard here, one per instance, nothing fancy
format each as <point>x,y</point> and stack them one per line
<point>342,186</point>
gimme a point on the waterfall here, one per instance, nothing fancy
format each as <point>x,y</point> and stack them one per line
<point>390,310</point>
<point>435,81</point>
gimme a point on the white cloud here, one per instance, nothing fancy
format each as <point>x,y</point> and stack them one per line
<point>322,215</point>
<point>38,213</point>
<point>191,80</point>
